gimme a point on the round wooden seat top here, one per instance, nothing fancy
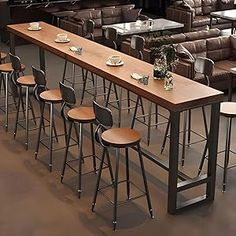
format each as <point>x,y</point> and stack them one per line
<point>52,95</point>
<point>121,137</point>
<point>228,109</point>
<point>3,56</point>
<point>26,80</point>
<point>81,114</point>
<point>7,67</point>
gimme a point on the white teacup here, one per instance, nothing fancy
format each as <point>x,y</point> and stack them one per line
<point>62,37</point>
<point>114,59</point>
<point>34,25</point>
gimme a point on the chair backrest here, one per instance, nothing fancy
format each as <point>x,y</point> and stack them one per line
<point>15,62</point>
<point>40,82</point>
<point>68,94</point>
<point>68,97</point>
<point>89,28</point>
<point>137,44</point>
<point>204,66</point>
<point>111,35</point>
<point>104,120</point>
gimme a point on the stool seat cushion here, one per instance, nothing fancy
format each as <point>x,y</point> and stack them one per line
<point>121,137</point>
<point>7,67</point>
<point>52,95</point>
<point>26,80</point>
<point>81,114</point>
<point>228,109</point>
<point>3,56</point>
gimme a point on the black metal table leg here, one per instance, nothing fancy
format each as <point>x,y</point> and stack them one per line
<point>173,161</point>
<point>212,145</point>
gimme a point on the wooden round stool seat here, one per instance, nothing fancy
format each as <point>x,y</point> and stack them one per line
<point>7,67</point>
<point>81,114</point>
<point>3,56</point>
<point>52,95</point>
<point>121,137</point>
<point>27,80</point>
<point>228,109</point>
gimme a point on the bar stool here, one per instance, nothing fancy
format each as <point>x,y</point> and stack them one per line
<point>117,138</point>
<point>77,117</point>
<point>228,110</point>
<point>112,35</point>
<point>203,67</point>
<point>23,82</point>
<point>46,97</point>
<point>137,46</point>
<point>7,71</point>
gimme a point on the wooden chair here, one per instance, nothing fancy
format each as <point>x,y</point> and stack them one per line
<point>118,138</point>
<point>77,117</point>
<point>6,73</point>
<point>49,97</point>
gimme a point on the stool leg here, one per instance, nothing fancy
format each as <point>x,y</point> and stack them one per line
<point>27,116</point>
<point>84,86</point>
<point>51,125</point>
<point>127,172</point>
<point>128,100</point>
<point>135,112</point>
<point>145,181</point>
<point>17,112</point>
<point>64,72</point>
<point>80,158</point>
<point>165,136</point>
<point>98,179</point>
<point>227,150</point>
<point>116,188</point>
<point>203,158</point>
<point>32,110</point>
<point>6,100</point>
<point>93,148</point>
<point>40,128</point>
<point>66,151</point>
<point>109,166</point>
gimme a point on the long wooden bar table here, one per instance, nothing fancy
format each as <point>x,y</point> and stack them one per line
<point>186,94</point>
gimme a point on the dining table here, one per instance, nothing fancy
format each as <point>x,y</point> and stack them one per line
<point>186,94</point>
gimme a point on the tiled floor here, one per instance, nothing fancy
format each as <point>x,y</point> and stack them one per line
<point>35,203</point>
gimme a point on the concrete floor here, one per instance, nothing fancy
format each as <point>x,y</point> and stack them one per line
<point>35,203</point>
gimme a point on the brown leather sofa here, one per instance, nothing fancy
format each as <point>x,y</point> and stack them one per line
<point>102,16</point>
<point>195,14</point>
<point>152,41</point>
<point>222,50</point>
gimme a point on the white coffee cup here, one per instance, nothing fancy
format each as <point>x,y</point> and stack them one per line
<point>62,37</point>
<point>34,25</point>
<point>114,59</point>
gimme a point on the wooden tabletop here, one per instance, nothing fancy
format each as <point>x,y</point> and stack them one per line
<point>186,93</point>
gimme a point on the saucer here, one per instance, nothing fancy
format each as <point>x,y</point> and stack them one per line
<point>75,49</point>
<point>32,29</point>
<point>120,63</point>
<point>136,76</point>
<point>62,41</point>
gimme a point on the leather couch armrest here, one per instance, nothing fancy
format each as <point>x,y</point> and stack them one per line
<point>180,15</point>
<point>184,67</point>
<point>73,27</point>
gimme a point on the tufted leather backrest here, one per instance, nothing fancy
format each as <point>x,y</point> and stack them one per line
<point>219,48</point>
